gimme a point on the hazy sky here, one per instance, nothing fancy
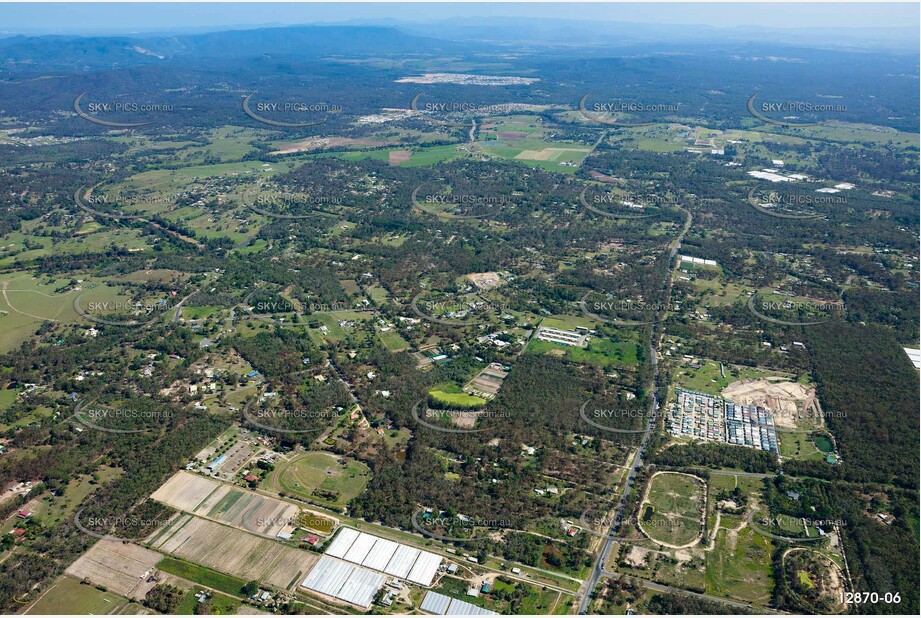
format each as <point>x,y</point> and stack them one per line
<point>131,17</point>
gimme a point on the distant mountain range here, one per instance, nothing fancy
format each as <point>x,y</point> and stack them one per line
<point>473,36</point>
<point>44,53</point>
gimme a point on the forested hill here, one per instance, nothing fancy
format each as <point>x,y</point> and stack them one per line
<point>41,53</point>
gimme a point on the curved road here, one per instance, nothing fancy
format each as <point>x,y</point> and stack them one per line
<point>585,592</point>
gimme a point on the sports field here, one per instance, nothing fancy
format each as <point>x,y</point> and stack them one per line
<point>393,341</point>
<point>671,512</point>
<point>320,477</point>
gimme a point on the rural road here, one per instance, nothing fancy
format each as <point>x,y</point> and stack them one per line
<point>585,593</point>
<point>663,588</point>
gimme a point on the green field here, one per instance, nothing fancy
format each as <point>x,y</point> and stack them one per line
<point>707,378</point>
<point>330,319</point>
<point>823,443</point>
<point>568,322</point>
<point>740,566</point>
<point>420,156</point>
<point>801,446</point>
<point>69,596</point>
<point>27,301</point>
<point>220,604</point>
<point>605,353</point>
<point>672,513</point>
<point>452,396</point>
<point>393,341</point>
<point>51,510</point>
<point>537,152</point>
<point>316,476</point>
<point>202,575</point>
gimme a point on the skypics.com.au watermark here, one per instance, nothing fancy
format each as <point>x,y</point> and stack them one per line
<point>432,525</point>
<point>430,111</point>
<point>634,209</point>
<point>597,309</point>
<point>756,305</point>
<point>458,418</point>
<point>601,526</point>
<point>606,417</point>
<point>99,527</point>
<point>281,204</point>
<point>639,112</point>
<point>133,313</point>
<point>117,199</point>
<point>773,202</point>
<point>95,417</point>
<point>434,203</point>
<point>789,113</point>
<point>457,310</point>
<point>97,110</point>
<point>258,414</point>
<point>271,112</point>
<point>268,305</point>
<point>787,522</point>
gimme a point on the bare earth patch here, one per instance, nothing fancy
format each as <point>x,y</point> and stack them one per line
<point>486,281</point>
<point>786,399</point>
<point>324,143</point>
<point>120,567</point>
<point>399,156</point>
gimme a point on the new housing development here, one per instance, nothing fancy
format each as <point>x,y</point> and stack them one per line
<point>714,419</point>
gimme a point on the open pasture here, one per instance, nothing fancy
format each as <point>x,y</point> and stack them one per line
<point>69,596</point>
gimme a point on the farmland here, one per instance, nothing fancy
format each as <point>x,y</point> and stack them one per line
<point>226,504</point>
<point>120,567</point>
<point>233,551</point>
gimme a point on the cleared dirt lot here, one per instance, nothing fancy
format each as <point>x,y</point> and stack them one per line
<point>185,491</point>
<point>486,281</point>
<point>120,567</point>
<point>785,399</point>
<point>548,154</point>
<point>396,157</point>
<point>234,551</point>
<point>322,143</point>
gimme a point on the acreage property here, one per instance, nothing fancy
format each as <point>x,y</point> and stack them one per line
<point>233,551</point>
<point>673,509</point>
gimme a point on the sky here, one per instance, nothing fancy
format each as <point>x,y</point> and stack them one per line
<point>93,18</point>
